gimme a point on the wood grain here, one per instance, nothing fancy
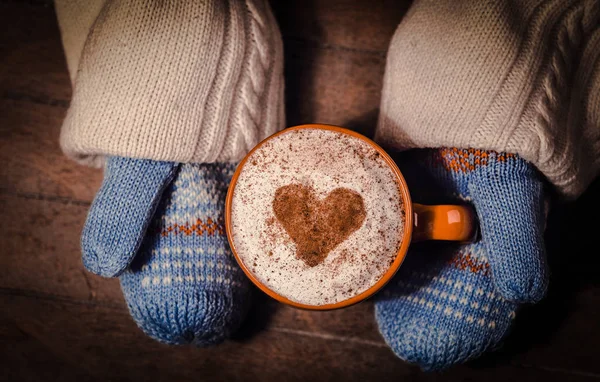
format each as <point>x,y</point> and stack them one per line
<point>362,26</point>
<point>105,343</point>
<point>59,322</point>
<point>335,59</point>
<point>33,165</point>
<point>102,343</point>
<point>42,275</point>
<point>34,95</point>
<point>41,248</point>
<point>333,87</point>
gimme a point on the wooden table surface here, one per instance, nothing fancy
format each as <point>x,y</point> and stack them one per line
<point>58,322</point>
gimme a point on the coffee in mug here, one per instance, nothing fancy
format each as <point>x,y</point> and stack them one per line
<point>317,216</point>
<point>320,217</point>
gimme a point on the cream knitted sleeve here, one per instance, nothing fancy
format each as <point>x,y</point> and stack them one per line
<point>518,76</point>
<point>185,81</point>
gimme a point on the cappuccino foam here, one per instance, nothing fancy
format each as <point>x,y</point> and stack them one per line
<point>323,193</point>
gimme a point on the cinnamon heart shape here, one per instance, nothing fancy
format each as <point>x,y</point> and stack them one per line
<point>318,226</point>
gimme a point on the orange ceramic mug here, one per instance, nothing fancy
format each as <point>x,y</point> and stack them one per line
<point>422,222</point>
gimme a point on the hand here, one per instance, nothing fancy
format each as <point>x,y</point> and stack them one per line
<point>451,302</point>
<point>508,195</point>
<point>159,226</point>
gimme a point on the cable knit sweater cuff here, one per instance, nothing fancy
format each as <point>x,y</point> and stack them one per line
<point>193,81</point>
<point>522,77</point>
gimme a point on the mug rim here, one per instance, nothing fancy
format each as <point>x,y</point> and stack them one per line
<point>400,255</point>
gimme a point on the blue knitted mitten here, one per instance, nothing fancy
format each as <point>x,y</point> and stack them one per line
<point>159,225</point>
<point>450,303</point>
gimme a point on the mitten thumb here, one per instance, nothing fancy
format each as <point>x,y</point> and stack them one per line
<point>508,197</point>
<point>121,212</point>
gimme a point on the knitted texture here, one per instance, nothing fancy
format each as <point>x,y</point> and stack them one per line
<point>184,285</point>
<point>520,77</point>
<point>121,212</point>
<point>184,81</point>
<point>450,303</point>
<point>441,309</point>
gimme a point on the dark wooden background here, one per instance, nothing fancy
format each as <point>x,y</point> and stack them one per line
<point>58,322</point>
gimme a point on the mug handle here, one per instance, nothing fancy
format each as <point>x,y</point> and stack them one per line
<point>444,222</point>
